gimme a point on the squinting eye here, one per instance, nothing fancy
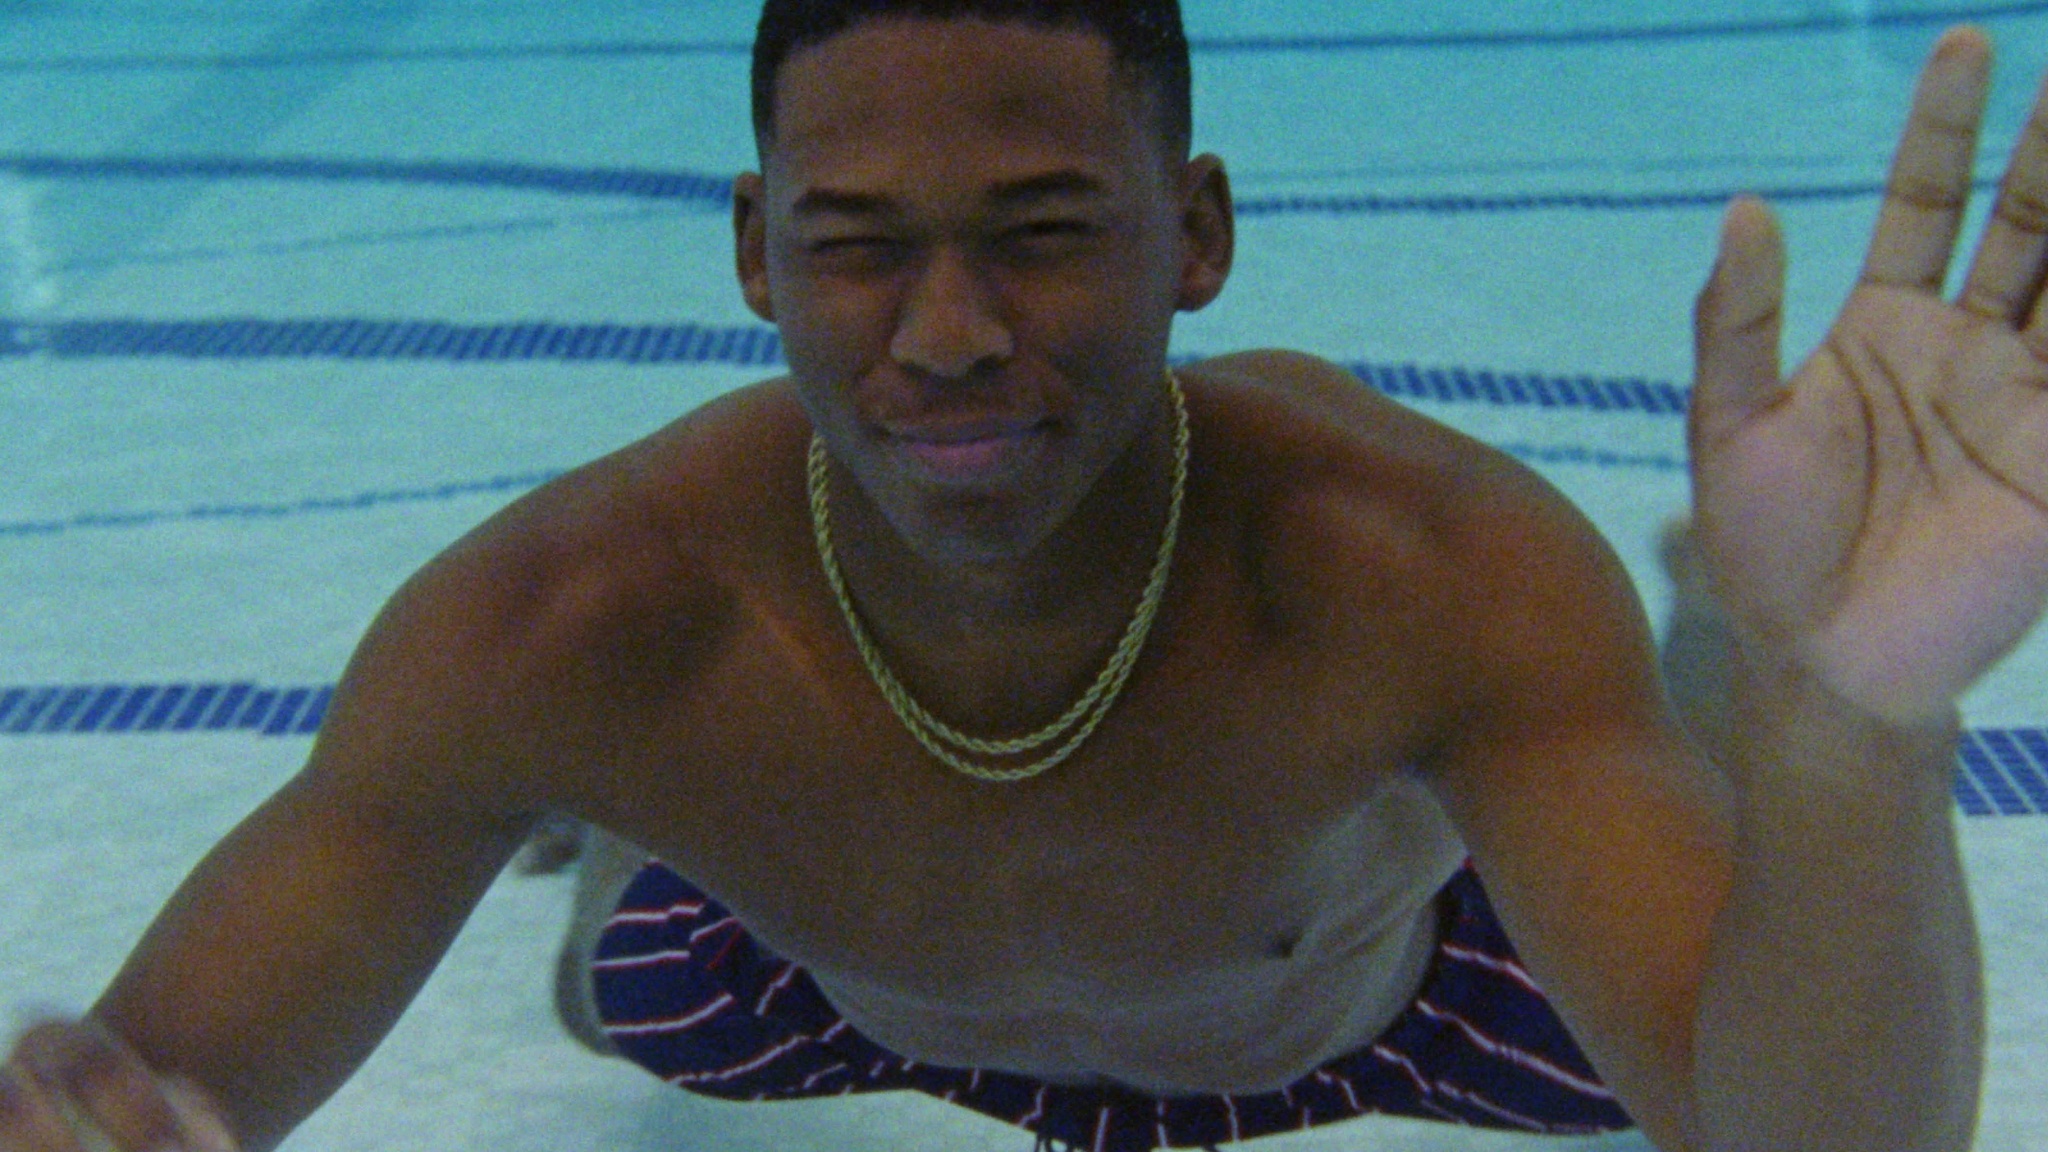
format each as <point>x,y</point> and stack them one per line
<point>845,243</point>
<point>1047,228</point>
<point>1047,238</point>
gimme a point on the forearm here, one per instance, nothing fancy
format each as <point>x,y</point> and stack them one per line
<point>292,949</point>
<point>1842,1005</point>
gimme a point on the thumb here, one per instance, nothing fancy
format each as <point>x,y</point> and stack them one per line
<point>198,1116</point>
<point>1738,324</point>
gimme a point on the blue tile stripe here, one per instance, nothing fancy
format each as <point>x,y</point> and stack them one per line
<point>1539,455</point>
<point>1542,455</point>
<point>710,191</point>
<point>1525,390</point>
<point>358,339</point>
<point>1535,454</point>
<point>744,346</point>
<point>715,192</point>
<point>1713,199</point>
<point>2002,772</point>
<point>2005,773</point>
<point>1819,24</point>
<point>312,506</point>
<point>117,709</point>
<point>692,344</point>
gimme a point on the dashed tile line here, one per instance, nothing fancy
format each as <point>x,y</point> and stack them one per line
<point>345,338</point>
<point>689,343</point>
<point>251,511</point>
<point>2000,772</point>
<point>119,709</point>
<point>1541,455</point>
<point>714,193</point>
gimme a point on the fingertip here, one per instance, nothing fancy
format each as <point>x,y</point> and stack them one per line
<point>27,1016</point>
<point>199,1117</point>
<point>1749,219</point>
<point>1964,41</point>
<point>1751,238</point>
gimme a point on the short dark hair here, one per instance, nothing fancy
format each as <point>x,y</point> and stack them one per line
<point>1145,38</point>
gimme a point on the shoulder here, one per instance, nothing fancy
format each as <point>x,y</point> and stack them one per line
<point>670,524</point>
<point>550,621</point>
<point>1301,427</point>
<point>1345,488</point>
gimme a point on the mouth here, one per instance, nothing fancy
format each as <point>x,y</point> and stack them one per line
<point>968,451</point>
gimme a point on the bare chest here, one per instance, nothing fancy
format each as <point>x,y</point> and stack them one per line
<point>1238,861</point>
<point>1216,875</point>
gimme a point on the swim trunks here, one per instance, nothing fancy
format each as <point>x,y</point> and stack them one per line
<point>683,990</point>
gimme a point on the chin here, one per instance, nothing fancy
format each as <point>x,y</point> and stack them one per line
<point>951,547</point>
<point>973,531</point>
<point>959,536</point>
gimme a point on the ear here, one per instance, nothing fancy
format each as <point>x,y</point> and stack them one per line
<point>1208,232</point>
<point>750,242</point>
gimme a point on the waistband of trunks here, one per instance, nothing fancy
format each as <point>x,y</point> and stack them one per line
<point>686,992</point>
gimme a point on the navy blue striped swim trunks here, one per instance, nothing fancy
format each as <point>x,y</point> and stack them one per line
<point>684,991</point>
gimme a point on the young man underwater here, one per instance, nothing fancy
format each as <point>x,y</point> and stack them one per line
<point>1119,751</point>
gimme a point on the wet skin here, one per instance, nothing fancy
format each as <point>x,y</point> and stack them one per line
<point>1227,886</point>
<point>974,247</point>
<point>1382,644</point>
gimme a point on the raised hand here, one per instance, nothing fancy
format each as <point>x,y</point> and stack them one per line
<point>1881,518</point>
<point>74,1087</point>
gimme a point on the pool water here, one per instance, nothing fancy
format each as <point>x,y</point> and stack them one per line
<point>293,294</point>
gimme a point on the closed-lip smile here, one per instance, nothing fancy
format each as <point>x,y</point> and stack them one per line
<point>962,432</point>
<point>965,450</point>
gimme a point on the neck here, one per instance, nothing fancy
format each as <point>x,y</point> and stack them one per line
<point>997,643</point>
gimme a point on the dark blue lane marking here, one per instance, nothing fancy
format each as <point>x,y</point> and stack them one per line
<point>1203,45</point>
<point>1719,30</point>
<point>1525,390</point>
<point>1469,205</point>
<point>693,344</point>
<point>2001,772</point>
<point>359,502</point>
<point>116,709</point>
<point>342,241</point>
<point>747,346</point>
<point>1536,454</point>
<point>353,339</point>
<point>711,191</point>
<point>2005,773</point>
<point>715,192</point>
<point>1560,454</point>
<point>447,54</point>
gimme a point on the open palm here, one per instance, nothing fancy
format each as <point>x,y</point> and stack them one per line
<point>1882,516</point>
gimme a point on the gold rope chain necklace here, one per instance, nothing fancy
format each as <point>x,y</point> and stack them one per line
<point>1078,722</point>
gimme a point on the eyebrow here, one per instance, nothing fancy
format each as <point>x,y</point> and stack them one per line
<point>1009,194</point>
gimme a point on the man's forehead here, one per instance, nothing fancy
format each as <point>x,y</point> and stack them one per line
<point>953,84</point>
<point>882,46</point>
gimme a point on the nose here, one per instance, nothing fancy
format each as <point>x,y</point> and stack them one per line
<point>949,326</point>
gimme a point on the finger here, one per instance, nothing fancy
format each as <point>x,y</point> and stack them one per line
<point>1738,324</point>
<point>1929,187</point>
<point>198,1116</point>
<point>33,1118</point>
<point>2005,278</point>
<point>82,1129</point>
<point>103,1089</point>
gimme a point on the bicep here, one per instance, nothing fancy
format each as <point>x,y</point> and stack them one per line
<point>1602,836</point>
